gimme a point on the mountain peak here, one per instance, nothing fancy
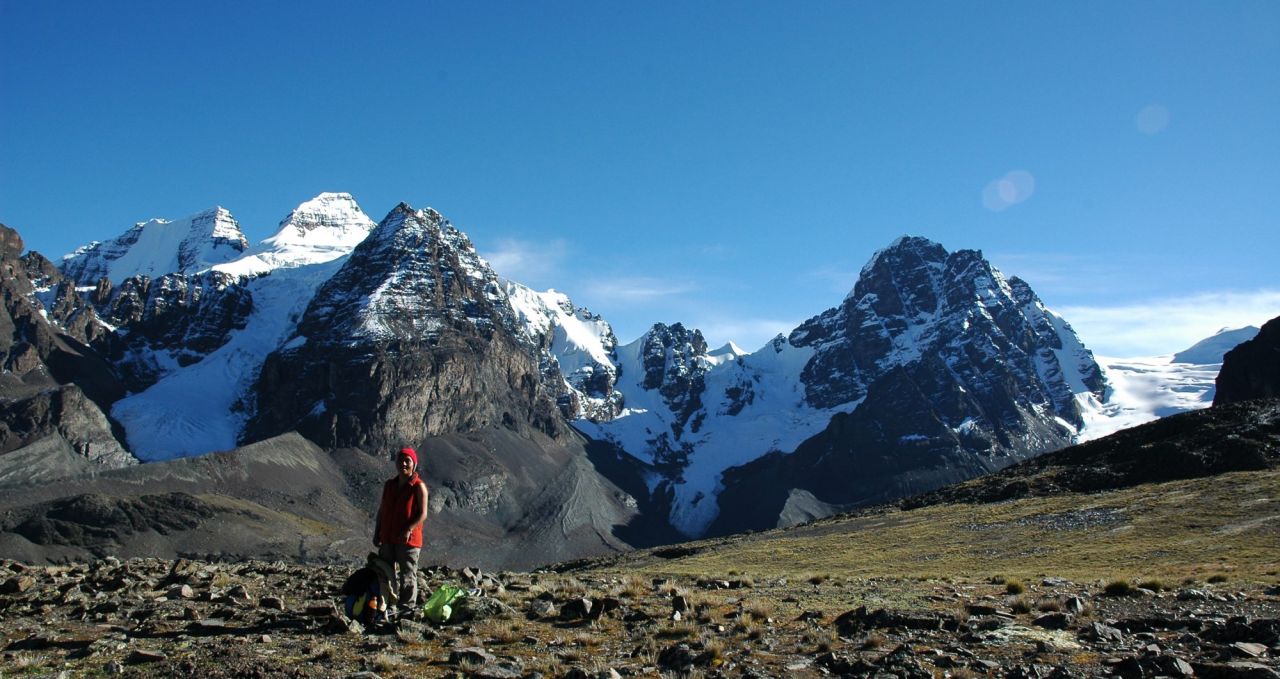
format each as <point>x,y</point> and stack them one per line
<point>1210,350</point>
<point>318,230</point>
<point>158,247</point>
<point>904,252</point>
<point>412,276</point>
<point>330,215</point>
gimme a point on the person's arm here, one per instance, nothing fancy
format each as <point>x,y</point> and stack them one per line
<point>420,509</point>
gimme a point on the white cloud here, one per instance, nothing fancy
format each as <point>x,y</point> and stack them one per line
<point>1162,326</point>
<point>637,289</point>
<point>527,262</point>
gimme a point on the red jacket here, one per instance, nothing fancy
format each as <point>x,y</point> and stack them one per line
<point>399,505</point>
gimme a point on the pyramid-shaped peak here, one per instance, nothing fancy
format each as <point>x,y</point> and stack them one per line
<point>906,248</point>
<point>329,218</point>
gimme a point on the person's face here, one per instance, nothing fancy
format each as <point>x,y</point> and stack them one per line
<point>405,464</point>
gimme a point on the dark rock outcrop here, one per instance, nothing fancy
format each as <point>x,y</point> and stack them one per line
<point>409,339</point>
<point>914,299</point>
<point>960,373</point>
<point>55,390</point>
<point>1237,437</point>
<point>1252,369</point>
<point>184,317</point>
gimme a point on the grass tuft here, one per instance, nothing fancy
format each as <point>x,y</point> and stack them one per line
<point>1048,605</point>
<point>385,662</point>
<point>873,641</point>
<point>1119,588</point>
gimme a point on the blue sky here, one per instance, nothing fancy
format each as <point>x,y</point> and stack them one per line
<point>730,165</point>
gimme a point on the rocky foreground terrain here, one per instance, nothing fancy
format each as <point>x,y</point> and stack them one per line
<point>149,617</point>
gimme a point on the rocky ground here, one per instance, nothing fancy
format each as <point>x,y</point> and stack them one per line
<point>154,617</point>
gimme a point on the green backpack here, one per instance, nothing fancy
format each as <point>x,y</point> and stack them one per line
<point>439,605</point>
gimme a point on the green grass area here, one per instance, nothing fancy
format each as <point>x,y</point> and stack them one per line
<point>1226,525</point>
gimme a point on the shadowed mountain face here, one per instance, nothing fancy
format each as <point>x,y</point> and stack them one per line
<point>1241,436</point>
<point>1252,369</point>
<point>411,338</point>
<point>960,372</point>
<point>54,389</point>
<point>497,500</point>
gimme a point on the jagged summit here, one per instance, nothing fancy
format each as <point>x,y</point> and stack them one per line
<point>412,337</point>
<point>157,247</point>
<point>412,276</point>
<point>576,346</point>
<point>950,355</point>
<point>914,298</point>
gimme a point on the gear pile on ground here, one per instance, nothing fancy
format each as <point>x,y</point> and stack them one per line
<point>157,618</point>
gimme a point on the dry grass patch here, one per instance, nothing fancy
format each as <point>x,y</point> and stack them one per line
<point>750,629</point>
<point>632,587</point>
<point>686,629</point>
<point>1151,532</point>
<point>816,579</point>
<point>500,631</point>
<point>1119,588</point>
<point>820,640</point>
<point>25,661</point>
<point>872,641</point>
<point>760,610</point>
<point>385,662</point>
<point>565,587</point>
<point>589,639</point>
<point>1048,605</point>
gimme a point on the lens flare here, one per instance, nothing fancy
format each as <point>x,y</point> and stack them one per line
<point>1152,119</point>
<point>1009,190</point>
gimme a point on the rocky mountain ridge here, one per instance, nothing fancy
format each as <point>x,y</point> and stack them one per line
<point>158,247</point>
<point>54,387</point>
<point>412,300</point>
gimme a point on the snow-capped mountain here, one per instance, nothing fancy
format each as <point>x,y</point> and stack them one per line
<point>413,275</point>
<point>413,336</point>
<point>1211,350</point>
<point>574,343</point>
<point>194,338</point>
<point>319,230</point>
<point>158,247</point>
<point>934,368</point>
<point>1002,375</point>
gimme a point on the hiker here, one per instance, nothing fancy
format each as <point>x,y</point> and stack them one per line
<point>397,532</point>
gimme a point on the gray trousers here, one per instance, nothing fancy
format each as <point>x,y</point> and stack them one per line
<point>405,559</point>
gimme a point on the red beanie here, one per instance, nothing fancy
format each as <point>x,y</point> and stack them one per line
<point>411,454</point>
